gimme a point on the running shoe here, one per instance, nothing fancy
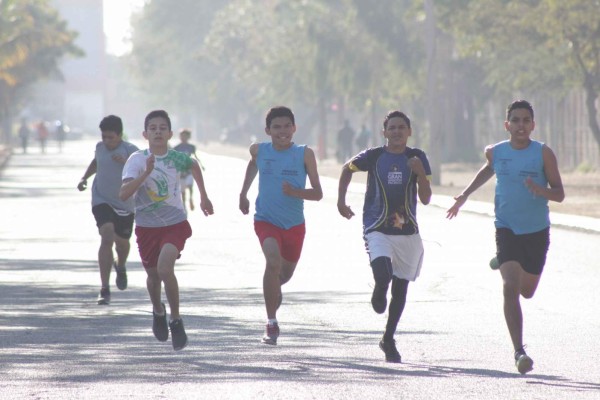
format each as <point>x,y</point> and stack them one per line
<point>104,297</point>
<point>271,335</point>
<point>178,336</point>
<point>121,280</point>
<point>391,353</point>
<point>379,299</point>
<point>159,325</point>
<point>494,263</point>
<point>523,362</point>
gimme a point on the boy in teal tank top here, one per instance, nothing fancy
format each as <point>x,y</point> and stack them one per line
<point>527,177</point>
<point>282,167</point>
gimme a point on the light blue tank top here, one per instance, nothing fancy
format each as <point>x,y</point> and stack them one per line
<point>516,207</point>
<point>275,167</point>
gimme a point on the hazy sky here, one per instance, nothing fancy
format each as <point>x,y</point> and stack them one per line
<point>116,24</point>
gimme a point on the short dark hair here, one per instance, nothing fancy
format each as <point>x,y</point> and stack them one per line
<point>112,123</point>
<point>279,111</point>
<point>157,114</point>
<point>394,114</point>
<point>519,104</point>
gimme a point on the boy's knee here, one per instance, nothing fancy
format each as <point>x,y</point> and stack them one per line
<point>382,271</point>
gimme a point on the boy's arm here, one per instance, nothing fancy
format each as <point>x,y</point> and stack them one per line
<point>315,192</point>
<point>483,175</point>
<point>345,179</point>
<point>130,186</point>
<point>251,171</point>
<point>91,170</point>
<point>205,203</point>
<point>555,192</point>
<point>423,184</point>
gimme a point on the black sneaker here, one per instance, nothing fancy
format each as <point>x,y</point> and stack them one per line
<point>271,335</point>
<point>178,335</point>
<point>104,297</point>
<point>391,353</point>
<point>121,280</point>
<point>379,299</point>
<point>159,325</point>
<point>523,362</point>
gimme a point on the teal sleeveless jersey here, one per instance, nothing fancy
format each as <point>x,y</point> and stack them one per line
<point>274,168</point>
<point>516,207</point>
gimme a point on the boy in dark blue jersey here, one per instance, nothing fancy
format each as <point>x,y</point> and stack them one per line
<point>283,167</point>
<point>397,174</point>
<point>527,177</point>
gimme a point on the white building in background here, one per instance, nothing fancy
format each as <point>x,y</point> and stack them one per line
<point>79,100</point>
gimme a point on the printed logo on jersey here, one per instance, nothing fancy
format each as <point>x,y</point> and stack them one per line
<point>395,176</point>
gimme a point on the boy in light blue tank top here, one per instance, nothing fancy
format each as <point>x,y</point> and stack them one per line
<point>527,177</point>
<point>282,167</point>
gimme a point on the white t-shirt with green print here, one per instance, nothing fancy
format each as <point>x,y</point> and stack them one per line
<point>158,201</point>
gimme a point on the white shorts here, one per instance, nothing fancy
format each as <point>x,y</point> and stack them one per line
<point>405,251</point>
<point>187,181</point>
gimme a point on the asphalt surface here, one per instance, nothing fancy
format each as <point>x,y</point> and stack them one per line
<point>56,343</point>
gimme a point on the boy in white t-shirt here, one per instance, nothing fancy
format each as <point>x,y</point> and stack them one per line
<point>162,228</point>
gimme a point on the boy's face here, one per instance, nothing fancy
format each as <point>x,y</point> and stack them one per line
<point>520,124</point>
<point>281,130</point>
<point>111,139</point>
<point>397,131</point>
<point>157,132</point>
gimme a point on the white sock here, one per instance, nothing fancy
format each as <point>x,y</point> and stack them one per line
<point>272,321</point>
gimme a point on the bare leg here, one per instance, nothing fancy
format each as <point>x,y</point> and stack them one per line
<point>166,272</point>
<point>153,284</point>
<point>191,189</point>
<point>105,252</point>
<point>516,282</point>
<point>271,278</point>
<point>122,247</point>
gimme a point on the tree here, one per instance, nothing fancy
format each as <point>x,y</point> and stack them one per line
<point>542,46</point>
<point>33,39</point>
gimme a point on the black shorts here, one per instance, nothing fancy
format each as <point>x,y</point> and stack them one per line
<point>529,249</point>
<point>103,213</point>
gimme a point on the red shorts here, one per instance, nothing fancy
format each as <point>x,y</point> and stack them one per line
<point>151,240</point>
<point>290,240</point>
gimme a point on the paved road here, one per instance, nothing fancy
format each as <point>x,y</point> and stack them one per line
<point>56,343</point>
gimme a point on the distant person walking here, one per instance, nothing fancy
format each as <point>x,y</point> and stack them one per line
<point>114,217</point>
<point>363,138</point>
<point>24,133</point>
<point>42,131</point>
<point>187,180</point>
<point>282,167</point>
<point>60,135</point>
<point>151,176</point>
<point>527,177</point>
<point>345,139</point>
<point>396,175</point>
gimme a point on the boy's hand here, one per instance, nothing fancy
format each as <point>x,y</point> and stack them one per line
<point>82,185</point>
<point>345,211</point>
<point>150,163</point>
<point>416,166</point>
<point>287,188</point>
<point>206,207</point>
<point>119,158</point>
<point>244,205</point>
<point>453,211</point>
